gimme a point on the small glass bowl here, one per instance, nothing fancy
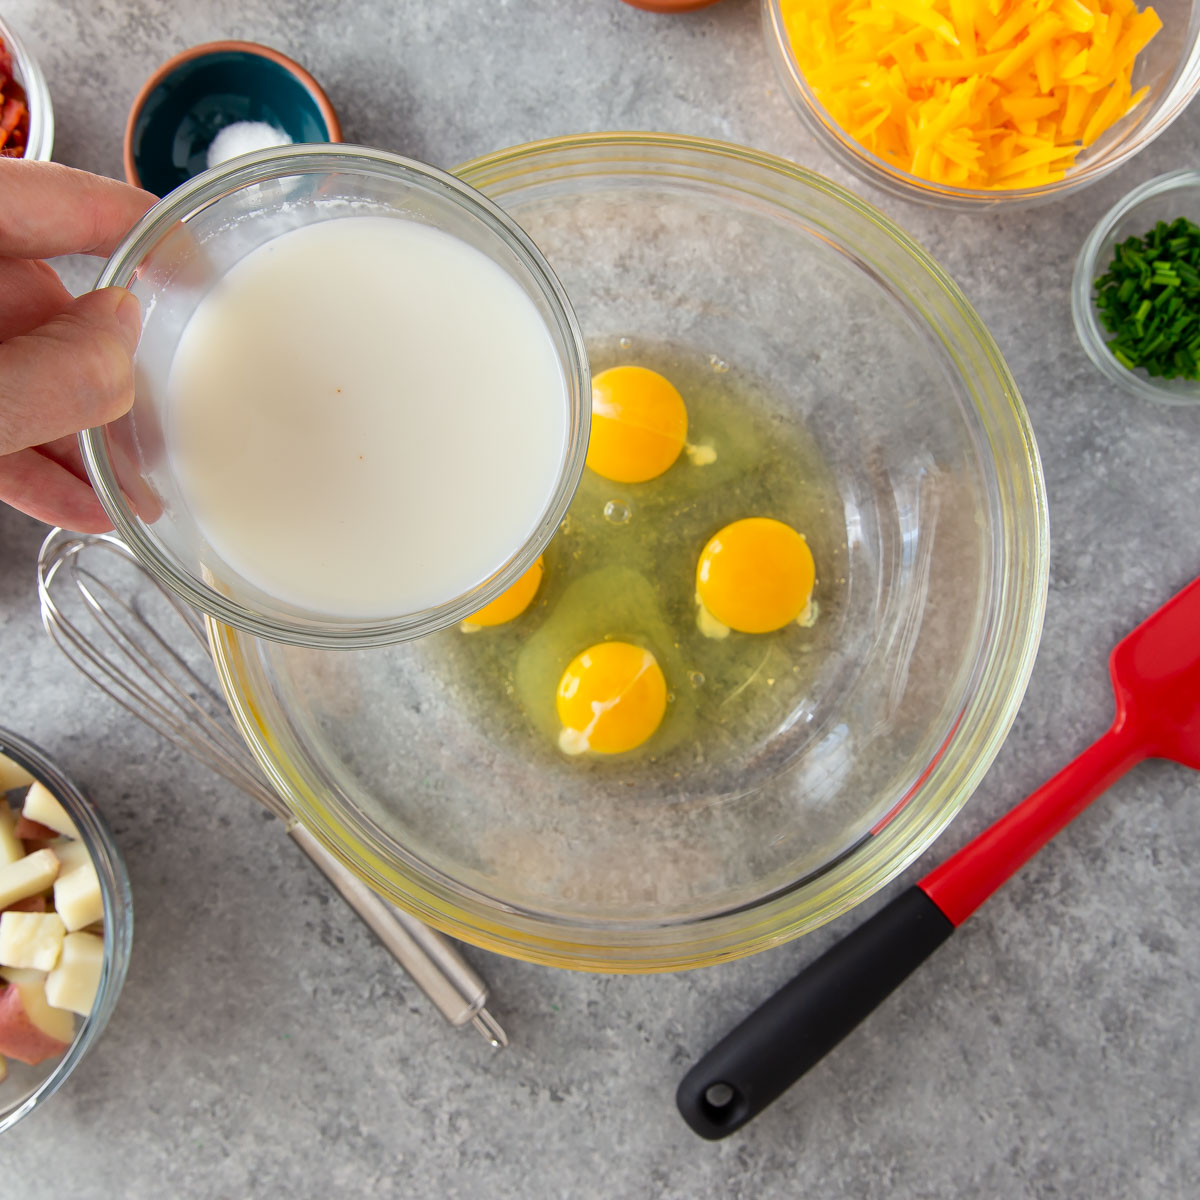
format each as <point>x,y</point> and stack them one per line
<point>170,259</point>
<point>1161,199</point>
<point>41,112</point>
<point>1169,66</point>
<point>28,1087</point>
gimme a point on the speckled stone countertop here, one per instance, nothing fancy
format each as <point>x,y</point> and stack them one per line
<point>265,1046</point>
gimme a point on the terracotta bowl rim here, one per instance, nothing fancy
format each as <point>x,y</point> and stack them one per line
<point>328,115</point>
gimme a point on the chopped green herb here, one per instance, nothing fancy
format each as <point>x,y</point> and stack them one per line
<point>1150,301</point>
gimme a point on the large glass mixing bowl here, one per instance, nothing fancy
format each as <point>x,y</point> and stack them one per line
<point>932,569</point>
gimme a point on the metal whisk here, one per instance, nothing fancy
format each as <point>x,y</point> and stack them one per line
<point>111,619</point>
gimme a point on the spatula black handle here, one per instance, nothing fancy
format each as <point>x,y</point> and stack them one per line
<point>807,1017</point>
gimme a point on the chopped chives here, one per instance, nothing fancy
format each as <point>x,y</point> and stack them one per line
<point>1149,299</point>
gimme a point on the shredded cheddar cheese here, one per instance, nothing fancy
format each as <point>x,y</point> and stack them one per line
<point>995,94</point>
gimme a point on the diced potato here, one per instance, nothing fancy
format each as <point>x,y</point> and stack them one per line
<point>41,805</point>
<point>31,940</point>
<point>30,1030</point>
<point>70,855</point>
<point>73,984</point>
<point>27,876</point>
<point>30,831</point>
<point>77,897</point>
<point>10,841</point>
<point>12,775</point>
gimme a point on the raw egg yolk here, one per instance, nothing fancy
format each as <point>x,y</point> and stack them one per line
<point>512,603</point>
<point>610,699</point>
<point>639,424</point>
<point>755,575</point>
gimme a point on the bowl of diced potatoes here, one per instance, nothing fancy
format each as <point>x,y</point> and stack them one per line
<point>973,103</point>
<point>66,925</point>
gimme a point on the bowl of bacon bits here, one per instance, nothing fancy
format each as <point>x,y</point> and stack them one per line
<point>66,924</point>
<point>26,118</point>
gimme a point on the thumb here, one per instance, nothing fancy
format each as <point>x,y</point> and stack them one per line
<point>74,371</point>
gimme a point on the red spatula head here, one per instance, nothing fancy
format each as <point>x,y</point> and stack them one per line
<point>1156,677</point>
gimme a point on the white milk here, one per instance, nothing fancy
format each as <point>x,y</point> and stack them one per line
<point>366,416</point>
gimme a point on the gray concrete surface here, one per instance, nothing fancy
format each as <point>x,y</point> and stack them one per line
<point>264,1047</point>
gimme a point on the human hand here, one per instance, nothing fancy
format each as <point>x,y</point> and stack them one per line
<point>65,364</point>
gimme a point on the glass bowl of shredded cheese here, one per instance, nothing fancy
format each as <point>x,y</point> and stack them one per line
<point>967,103</point>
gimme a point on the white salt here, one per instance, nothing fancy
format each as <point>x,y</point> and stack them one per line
<point>244,137</point>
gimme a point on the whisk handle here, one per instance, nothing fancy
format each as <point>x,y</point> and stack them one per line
<point>437,968</point>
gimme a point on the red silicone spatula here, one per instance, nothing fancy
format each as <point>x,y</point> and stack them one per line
<point>1156,678</point>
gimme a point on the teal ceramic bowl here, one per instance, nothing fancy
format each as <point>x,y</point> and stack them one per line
<point>193,96</point>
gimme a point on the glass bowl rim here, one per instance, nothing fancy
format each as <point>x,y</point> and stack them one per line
<point>1083,308</point>
<point>309,159</point>
<point>32,79</point>
<point>106,855</point>
<point>994,701</point>
<point>882,174</point>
